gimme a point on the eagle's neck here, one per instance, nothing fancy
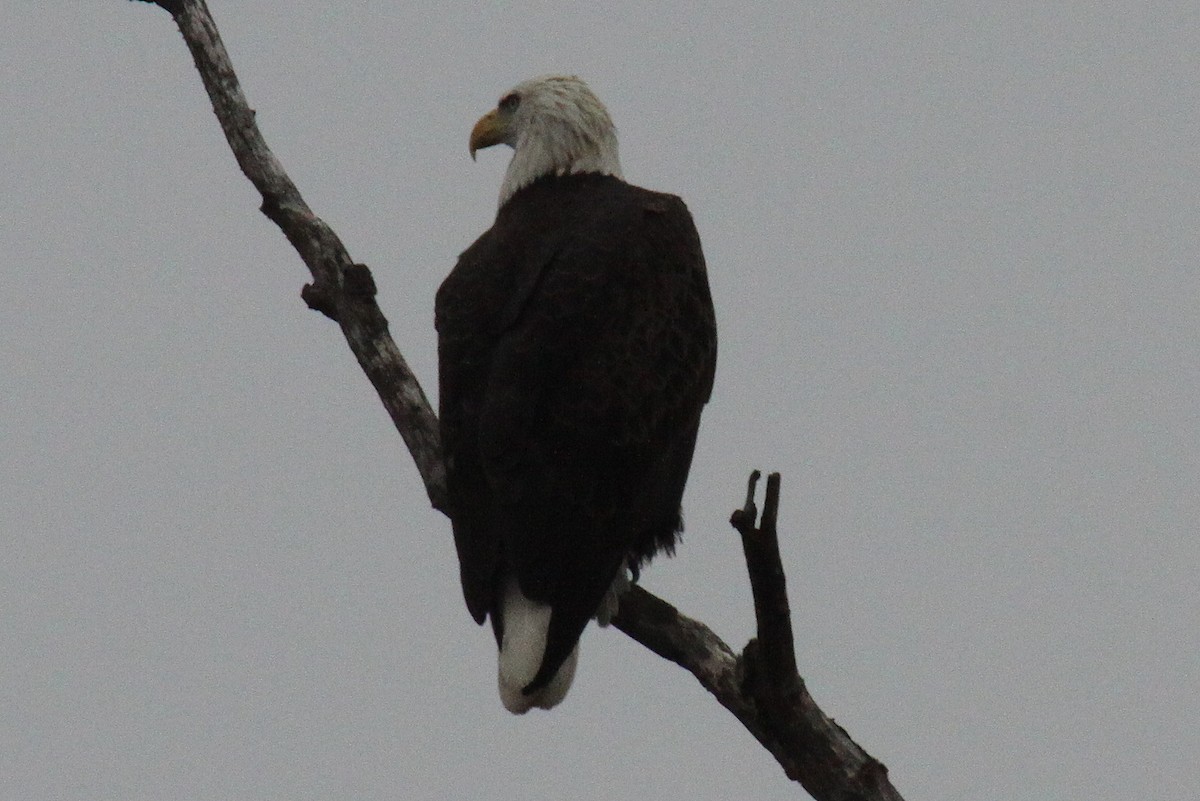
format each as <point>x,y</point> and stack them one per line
<point>561,150</point>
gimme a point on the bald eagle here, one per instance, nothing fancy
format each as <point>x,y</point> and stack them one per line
<point>576,349</point>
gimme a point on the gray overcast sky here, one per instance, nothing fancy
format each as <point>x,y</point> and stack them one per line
<point>954,252</point>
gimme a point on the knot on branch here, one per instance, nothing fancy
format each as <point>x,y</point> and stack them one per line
<point>357,282</point>
<point>323,298</point>
<point>774,696</point>
<point>744,519</point>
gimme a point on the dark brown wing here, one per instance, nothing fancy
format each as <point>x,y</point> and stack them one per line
<point>600,359</point>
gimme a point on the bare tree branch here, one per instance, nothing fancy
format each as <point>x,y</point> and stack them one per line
<point>761,687</point>
<point>341,289</point>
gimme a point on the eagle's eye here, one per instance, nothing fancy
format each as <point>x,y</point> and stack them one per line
<point>510,101</point>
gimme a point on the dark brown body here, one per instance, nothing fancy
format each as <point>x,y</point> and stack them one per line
<point>576,346</point>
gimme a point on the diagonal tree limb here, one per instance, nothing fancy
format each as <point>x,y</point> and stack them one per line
<point>760,687</point>
<point>819,753</point>
<point>341,289</point>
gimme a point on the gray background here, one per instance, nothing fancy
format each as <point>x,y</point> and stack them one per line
<point>954,256</point>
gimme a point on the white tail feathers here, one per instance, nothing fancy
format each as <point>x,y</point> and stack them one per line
<point>521,650</point>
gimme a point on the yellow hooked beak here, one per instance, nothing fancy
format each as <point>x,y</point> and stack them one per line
<point>491,129</point>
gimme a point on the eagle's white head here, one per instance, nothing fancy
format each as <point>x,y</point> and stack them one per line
<point>555,126</point>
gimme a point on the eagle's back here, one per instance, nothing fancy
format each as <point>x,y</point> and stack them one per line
<point>576,347</point>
